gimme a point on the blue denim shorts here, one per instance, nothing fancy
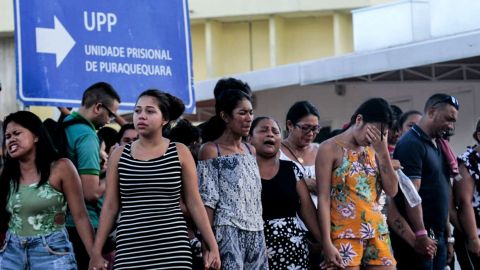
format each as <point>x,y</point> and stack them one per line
<point>51,251</point>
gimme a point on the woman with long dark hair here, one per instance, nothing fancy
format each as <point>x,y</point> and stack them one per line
<point>466,192</point>
<point>35,187</point>
<point>144,181</point>
<point>231,185</point>
<point>352,168</point>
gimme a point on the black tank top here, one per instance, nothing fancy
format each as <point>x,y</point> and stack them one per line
<point>279,194</point>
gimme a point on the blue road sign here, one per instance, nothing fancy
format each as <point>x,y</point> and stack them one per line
<point>65,46</point>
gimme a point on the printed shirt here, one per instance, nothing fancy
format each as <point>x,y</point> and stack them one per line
<point>471,160</point>
<point>354,210</point>
<point>33,209</point>
<point>231,185</point>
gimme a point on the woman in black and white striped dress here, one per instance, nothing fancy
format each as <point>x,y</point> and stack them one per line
<point>145,180</point>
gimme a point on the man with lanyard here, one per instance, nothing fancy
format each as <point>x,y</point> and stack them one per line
<point>99,105</point>
<point>425,164</point>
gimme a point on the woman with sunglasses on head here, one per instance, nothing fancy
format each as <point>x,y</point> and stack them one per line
<point>352,168</point>
<point>35,187</point>
<point>283,196</point>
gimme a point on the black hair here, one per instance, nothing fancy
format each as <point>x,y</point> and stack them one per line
<point>213,128</point>
<point>225,84</point>
<point>396,112</point>
<point>258,120</point>
<point>123,129</point>
<point>477,129</point>
<point>208,130</point>
<point>51,126</point>
<point>440,100</point>
<point>100,92</point>
<point>301,109</point>
<point>334,133</point>
<point>45,155</point>
<point>226,102</point>
<point>403,118</point>
<point>184,132</point>
<point>170,106</point>
<point>374,110</point>
<point>109,136</point>
<point>64,115</point>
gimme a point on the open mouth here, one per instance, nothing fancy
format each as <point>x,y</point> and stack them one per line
<point>269,142</point>
<point>12,148</point>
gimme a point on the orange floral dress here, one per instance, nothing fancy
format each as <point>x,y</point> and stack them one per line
<point>355,188</point>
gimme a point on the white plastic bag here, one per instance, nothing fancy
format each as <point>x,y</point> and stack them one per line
<point>408,189</point>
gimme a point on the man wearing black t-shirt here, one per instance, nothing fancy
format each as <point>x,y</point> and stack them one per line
<point>425,164</point>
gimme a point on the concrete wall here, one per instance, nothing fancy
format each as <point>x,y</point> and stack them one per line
<point>222,48</point>
<point>198,50</point>
<point>342,33</point>
<point>308,38</point>
<point>8,102</point>
<point>236,48</point>
<point>6,17</point>
<point>204,9</point>
<point>336,110</point>
<point>408,21</point>
<point>260,53</point>
<point>462,16</point>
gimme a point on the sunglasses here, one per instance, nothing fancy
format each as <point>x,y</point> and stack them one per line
<point>111,114</point>
<point>307,128</point>
<point>450,100</point>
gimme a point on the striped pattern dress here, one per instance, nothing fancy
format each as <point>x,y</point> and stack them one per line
<point>152,233</point>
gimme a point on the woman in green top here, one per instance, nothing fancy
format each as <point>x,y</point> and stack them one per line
<point>35,187</point>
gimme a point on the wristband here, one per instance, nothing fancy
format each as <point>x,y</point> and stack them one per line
<point>421,233</point>
<point>451,240</point>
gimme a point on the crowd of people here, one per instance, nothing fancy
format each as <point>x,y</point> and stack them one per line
<point>233,192</point>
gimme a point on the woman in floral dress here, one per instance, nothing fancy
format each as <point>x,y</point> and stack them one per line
<point>284,193</point>
<point>35,187</point>
<point>466,192</point>
<point>352,168</point>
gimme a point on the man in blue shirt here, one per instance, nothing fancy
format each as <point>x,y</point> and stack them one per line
<point>425,164</point>
<point>99,105</point>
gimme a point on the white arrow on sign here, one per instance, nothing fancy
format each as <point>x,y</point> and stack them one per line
<point>57,41</point>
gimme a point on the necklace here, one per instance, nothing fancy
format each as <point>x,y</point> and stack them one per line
<point>296,156</point>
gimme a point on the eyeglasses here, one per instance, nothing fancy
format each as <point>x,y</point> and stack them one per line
<point>450,100</point>
<point>307,128</point>
<point>111,114</point>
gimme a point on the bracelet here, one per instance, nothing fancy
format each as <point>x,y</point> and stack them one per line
<point>451,240</point>
<point>421,233</point>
